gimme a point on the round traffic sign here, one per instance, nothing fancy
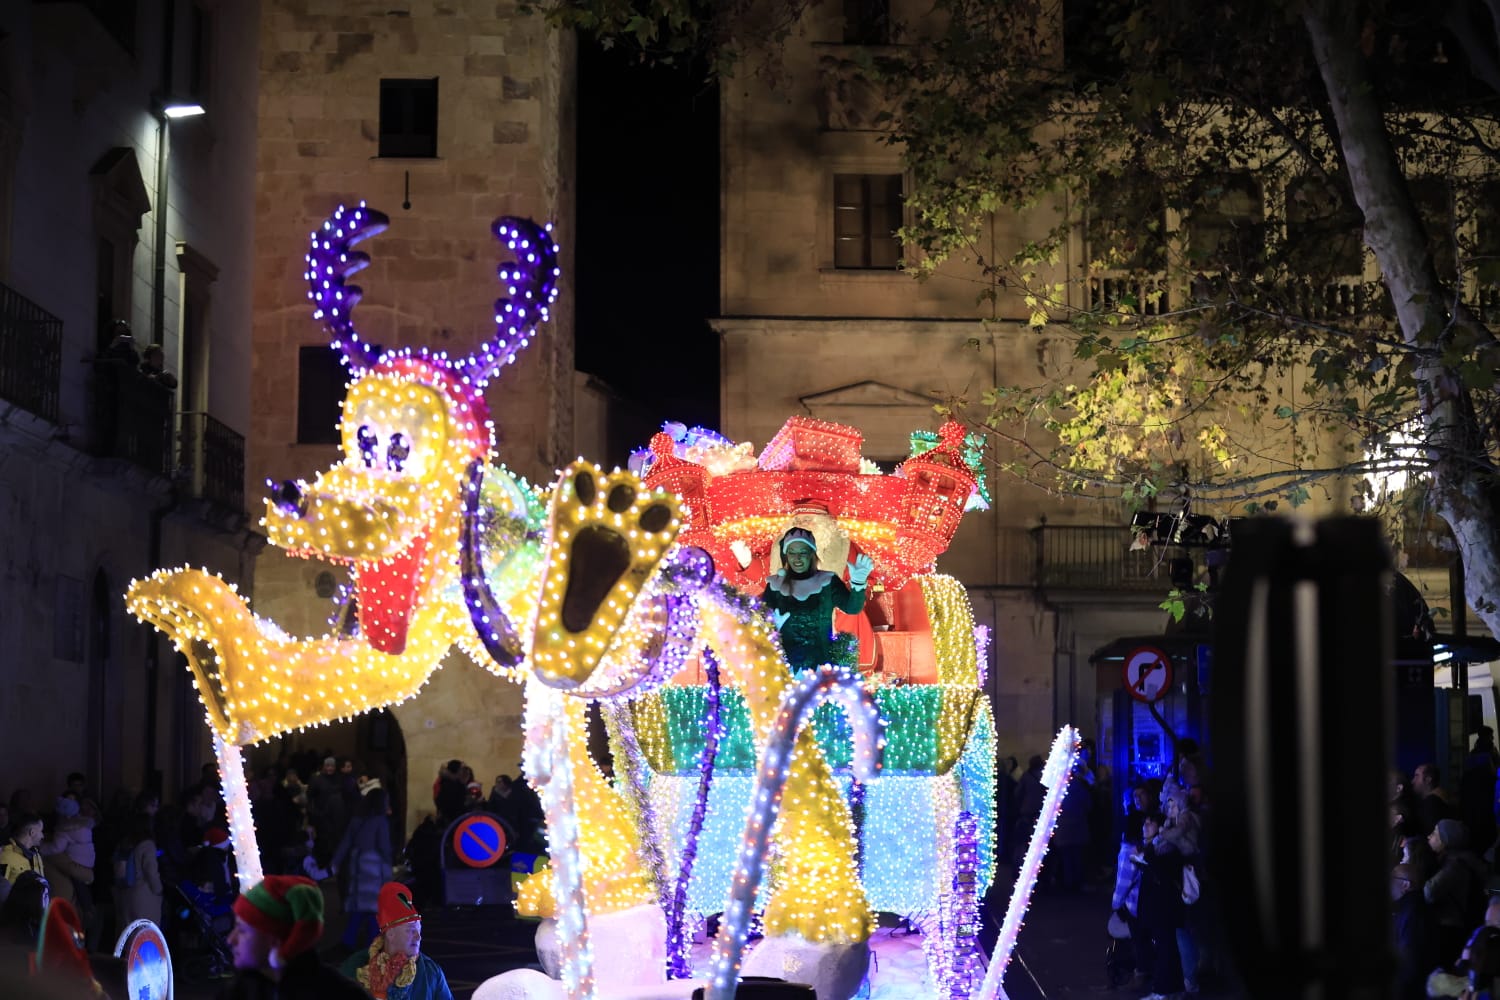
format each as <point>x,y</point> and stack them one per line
<point>1148,674</point>
<point>148,964</point>
<point>479,840</point>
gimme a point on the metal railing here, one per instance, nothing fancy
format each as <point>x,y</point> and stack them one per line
<point>1096,558</point>
<point>1142,293</point>
<point>212,456</point>
<point>30,355</point>
<point>1340,298</point>
<point>131,416</point>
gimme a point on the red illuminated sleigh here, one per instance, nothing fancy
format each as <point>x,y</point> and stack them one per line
<point>920,654</point>
<point>812,473</point>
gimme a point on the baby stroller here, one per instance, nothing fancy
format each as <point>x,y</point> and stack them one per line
<point>1119,954</point>
<point>202,922</point>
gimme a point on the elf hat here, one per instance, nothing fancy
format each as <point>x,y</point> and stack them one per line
<point>799,536</point>
<point>395,906</point>
<point>287,907</point>
<point>60,948</point>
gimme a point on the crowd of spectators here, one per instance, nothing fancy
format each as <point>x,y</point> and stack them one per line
<point>1161,882</point>
<point>1444,868</point>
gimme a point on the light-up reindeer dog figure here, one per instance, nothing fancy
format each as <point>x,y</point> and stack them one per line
<point>402,510</point>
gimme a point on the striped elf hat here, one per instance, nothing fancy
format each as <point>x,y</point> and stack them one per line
<point>287,907</point>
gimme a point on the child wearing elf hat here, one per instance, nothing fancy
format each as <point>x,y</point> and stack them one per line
<point>277,924</point>
<point>394,968</point>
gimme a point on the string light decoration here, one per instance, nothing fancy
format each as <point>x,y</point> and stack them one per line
<point>607,537</point>
<point>416,436</point>
<point>930,725</point>
<point>677,957</point>
<point>237,809</point>
<point>952,629</point>
<point>973,455</point>
<point>962,966</point>
<point>902,520</point>
<point>771,786</point>
<point>817,895</point>
<point>1055,774</point>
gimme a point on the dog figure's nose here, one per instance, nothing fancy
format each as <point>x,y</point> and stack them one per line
<point>287,496</point>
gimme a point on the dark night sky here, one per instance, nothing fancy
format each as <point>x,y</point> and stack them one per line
<point>648,240</point>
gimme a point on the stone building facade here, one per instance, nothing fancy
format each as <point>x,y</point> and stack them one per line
<point>817,320</point>
<point>444,114</point>
<point>110,210</point>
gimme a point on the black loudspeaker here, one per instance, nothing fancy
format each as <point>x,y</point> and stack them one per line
<point>1302,719</point>
<point>760,988</point>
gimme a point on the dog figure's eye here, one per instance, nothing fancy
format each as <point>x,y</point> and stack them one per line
<point>368,443</point>
<point>395,454</point>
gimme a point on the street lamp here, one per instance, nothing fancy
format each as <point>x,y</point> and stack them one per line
<point>181,109</point>
<point>163,109</point>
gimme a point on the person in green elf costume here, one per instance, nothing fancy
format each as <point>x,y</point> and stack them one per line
<point>802,598</point>
<point>277,925</point>
<point>394,967</point>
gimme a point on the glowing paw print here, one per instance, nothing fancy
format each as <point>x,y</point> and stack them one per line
<point>607,536</point>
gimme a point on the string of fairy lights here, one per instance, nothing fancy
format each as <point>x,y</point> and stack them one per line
<point>609,588</point>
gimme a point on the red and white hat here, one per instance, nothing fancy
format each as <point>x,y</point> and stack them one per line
<point>395,906</point>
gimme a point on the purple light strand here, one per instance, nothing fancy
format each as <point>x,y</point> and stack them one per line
<point>531,287</point>
<point>491,623</point>
<point>677,951</point>
<point>797,705</point>
<point>330,262</point>
<point>965,972</point>
<point>530,282</point>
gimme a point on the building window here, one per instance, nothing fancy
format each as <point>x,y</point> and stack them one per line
<point>1226,230</point>
<point>867,22</point>
<point>1127,225</point>
<point>105,312</point>
<point>199,51</point>
<point>1324,233</point>
<point>408,118</point>
<point>866,215</point>
<point>1435,203</point>
<point>321,380</point>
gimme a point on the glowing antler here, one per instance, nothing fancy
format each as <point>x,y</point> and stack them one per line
<point>531,286</point>
<point>330,261</point>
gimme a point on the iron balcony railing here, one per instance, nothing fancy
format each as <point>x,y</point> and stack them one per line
<point>30,355</point>
<point>213,460</point>
<point>1096,558</point>
<point>1144,294</point>
<point>130,417</point>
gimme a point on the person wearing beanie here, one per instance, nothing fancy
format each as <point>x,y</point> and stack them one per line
<point>277,924</point>
<point>1455,894</point>
<point>394,968</point>
<point>801,600</point>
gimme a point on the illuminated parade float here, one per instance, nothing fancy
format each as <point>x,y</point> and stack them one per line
<point>794,697</point>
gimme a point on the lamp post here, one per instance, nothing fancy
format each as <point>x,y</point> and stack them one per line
<point>164,110</point>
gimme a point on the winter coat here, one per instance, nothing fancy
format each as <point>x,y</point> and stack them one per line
<point>364,858</point>
<point>1456,893</point>
<point>428,983</point>
<point>326,808</point>
<point>1160,895</point>
<point>75,838</point>
<point>305,977</point>
<point>66,876</point>
<point>14,860</point>
<point>1072,828</point>
<point>143,899</point>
